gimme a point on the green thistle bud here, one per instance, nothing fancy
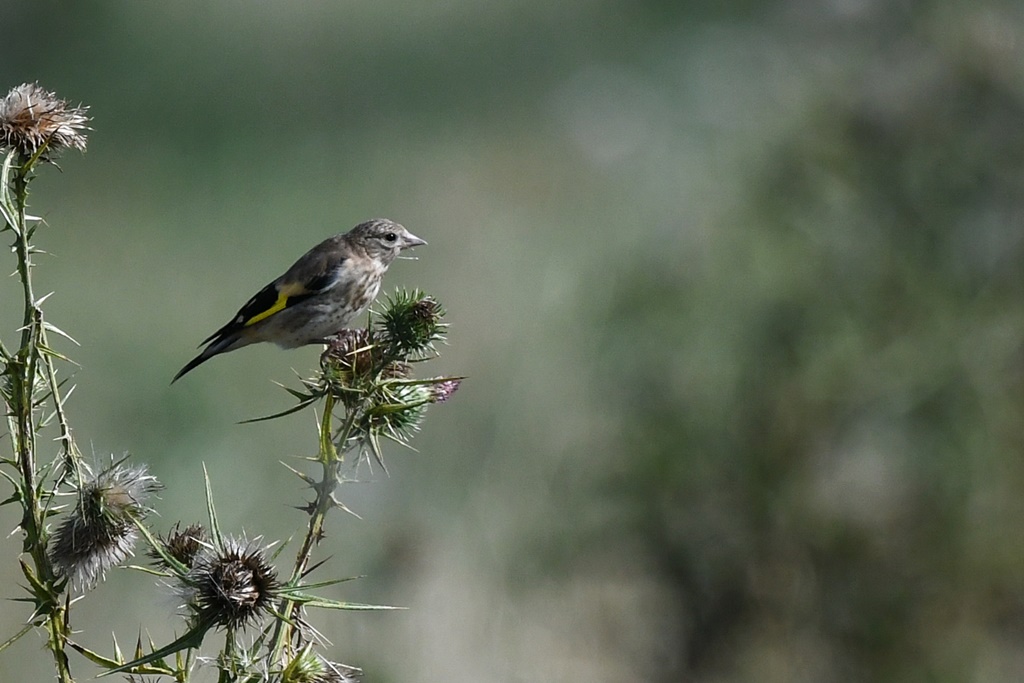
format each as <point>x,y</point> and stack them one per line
<point>308,667</point>
<point>397,411</point>
<point>410,324</point>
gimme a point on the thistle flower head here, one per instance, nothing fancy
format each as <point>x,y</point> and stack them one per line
<point>32,118</point>
<point>398,408</point>
<point>410,324</point>
<point>349,347</point>
<point>233,585</point>
<point>182,544</point>
<point>100,533</point>
<point>397,411</point>
<point>443,390</point>
<point>309,667</point>
<point>349,358</point>
<point>355,361</point>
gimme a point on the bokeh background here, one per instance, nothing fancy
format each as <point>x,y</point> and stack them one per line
<point>737,287</point>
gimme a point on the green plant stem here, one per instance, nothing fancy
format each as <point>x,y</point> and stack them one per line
<point>58,633</point>
<point>33,333</point>
<point>69,451</point>
<point>228,665</point>
<point>23,391</point>
<point>329,459</point>
<point>23,401</point>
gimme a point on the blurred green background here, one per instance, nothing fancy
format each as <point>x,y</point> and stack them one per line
<point>737,286</point>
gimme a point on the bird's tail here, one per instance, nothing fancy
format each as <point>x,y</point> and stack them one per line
<point>222,344</point>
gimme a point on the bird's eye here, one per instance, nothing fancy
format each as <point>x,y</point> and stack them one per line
<point>390,237</point>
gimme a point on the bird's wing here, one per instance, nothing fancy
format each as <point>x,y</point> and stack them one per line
<point>310,275</point>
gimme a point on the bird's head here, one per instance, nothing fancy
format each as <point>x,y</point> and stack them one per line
<point>383,239</point>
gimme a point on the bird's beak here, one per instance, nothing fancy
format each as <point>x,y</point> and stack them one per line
<point>412,240</point>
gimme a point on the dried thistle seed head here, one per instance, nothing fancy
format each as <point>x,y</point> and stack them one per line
<point>100,533</point>
<point>232,586</point>
<point>32,118</point>
<point>182,544</point>
<point>83,552</point>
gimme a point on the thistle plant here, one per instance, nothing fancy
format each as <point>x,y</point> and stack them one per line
<point>100,532</point>
<point>35,128</point>
<point>368,395</point>
<point>80,520</point>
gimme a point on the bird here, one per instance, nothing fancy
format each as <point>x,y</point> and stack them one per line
<point>317,296</point>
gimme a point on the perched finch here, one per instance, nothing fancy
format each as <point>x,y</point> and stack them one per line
<point>316,298</point>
